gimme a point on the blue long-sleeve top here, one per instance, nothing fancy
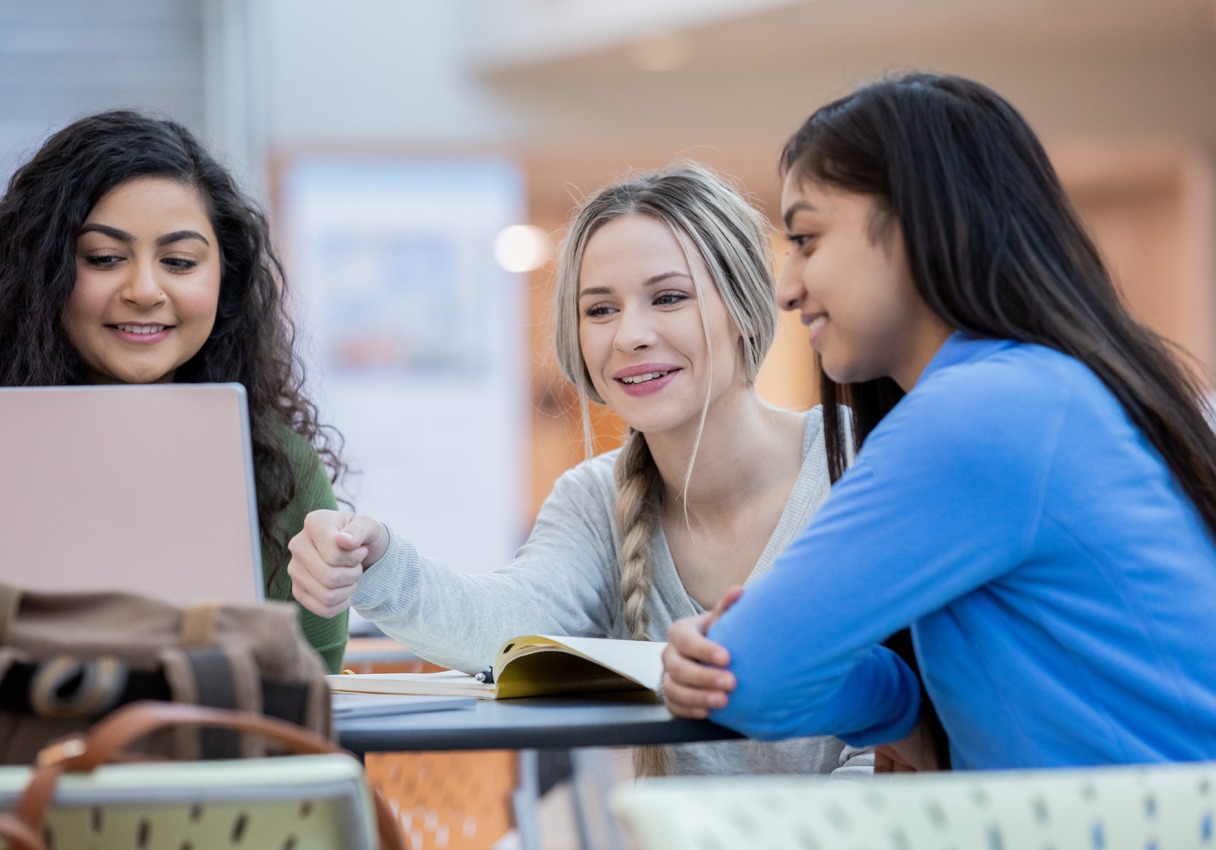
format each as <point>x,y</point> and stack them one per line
<point>1059,584</point>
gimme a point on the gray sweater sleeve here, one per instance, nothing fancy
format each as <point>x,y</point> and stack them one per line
<point>563,580</point>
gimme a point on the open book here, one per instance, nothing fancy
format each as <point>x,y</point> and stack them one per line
<point>531,665</point>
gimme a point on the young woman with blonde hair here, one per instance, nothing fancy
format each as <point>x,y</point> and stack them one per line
<point>665,309</point>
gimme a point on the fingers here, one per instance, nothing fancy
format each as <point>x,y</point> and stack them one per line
<point>890,758</point>
<point>732,595</point>
<point>693,682</point>
<point>363,532</point>
<point>687,638</point>
<point>335,536</point>
<point>693,690</point>
<point>327,558</point>
<point>321,588</point>
<point>917,752</point>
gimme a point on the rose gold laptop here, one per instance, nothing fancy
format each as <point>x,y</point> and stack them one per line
<point>147,489</point>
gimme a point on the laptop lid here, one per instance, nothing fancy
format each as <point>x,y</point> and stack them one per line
<point>147,489</point>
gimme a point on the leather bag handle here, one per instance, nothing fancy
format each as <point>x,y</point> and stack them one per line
<point>106,740</point>
<point>18,836</point>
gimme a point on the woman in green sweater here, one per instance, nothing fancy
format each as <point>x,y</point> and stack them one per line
<point>129,255</point>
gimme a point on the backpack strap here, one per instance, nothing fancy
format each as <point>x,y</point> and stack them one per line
<point>215,677</point>
<point>199,625</point>
<point>10,601</point>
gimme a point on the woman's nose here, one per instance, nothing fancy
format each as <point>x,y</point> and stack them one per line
<point>634,331</point>
<point>790,290</point>
<point>142,287</point>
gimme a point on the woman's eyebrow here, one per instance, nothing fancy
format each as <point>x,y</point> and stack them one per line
<point>659,278</point>
<point>794,209</point>
<point>106,230</point>
<point>123,236</point>
<point>653,280</point>
<point>179,235</point>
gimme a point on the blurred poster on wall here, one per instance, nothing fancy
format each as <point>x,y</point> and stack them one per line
<point>415,343</point>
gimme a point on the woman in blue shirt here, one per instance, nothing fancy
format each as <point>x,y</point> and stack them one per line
<point>1035,488</point>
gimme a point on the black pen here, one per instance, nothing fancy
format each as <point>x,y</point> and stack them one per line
<point>486,676</point>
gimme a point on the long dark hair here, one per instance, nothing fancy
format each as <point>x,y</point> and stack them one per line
<point>995,249</point>
<point>47,202</point>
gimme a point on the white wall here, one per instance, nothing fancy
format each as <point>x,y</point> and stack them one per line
<point>557,75</point>
<point>63,59</point>
<point>376,72</point>
<point>507,33</point>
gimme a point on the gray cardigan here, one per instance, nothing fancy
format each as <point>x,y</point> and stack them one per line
<point>565,580</point>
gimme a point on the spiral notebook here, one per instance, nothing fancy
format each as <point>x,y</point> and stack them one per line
<point>147,489</point>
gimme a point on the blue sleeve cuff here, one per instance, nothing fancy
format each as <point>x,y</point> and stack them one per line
<point>871,698</point>
<point>896,730</point>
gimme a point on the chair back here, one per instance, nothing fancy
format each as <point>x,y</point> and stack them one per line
<point>1162,807</point>
<point>298,802</point>
<point>91,791</point>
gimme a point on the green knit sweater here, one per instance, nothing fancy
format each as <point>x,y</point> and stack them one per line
<point>314,492</point>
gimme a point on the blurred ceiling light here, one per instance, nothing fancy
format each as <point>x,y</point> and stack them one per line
<point>661,51</point>
<point>521,247</point>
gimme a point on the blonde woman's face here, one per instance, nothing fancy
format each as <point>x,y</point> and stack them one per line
<point>641,330</point>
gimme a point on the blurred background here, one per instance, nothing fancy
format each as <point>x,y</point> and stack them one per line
<point>419,159</point>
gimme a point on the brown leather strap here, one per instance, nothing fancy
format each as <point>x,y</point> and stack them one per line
<point>198,625</point>
<point>10,601</point>
<point>109,736</point>
<point>105,741</point>
<point>387,825</point>
<point>31,808</point>
<point>18,836</point>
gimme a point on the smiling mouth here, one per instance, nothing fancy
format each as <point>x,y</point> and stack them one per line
<point>142,329</point>
<point>817,322</point>
<point>644,378</point>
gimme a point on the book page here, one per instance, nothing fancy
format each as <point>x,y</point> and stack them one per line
<point>638,661</point>
<point>445,683</point>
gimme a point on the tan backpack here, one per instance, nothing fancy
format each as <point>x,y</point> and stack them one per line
<point>67,659</point>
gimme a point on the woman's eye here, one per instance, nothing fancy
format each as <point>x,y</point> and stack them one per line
<point>666,299</point>
<point>798,240</point>
<point>103,261</point>
<point>179,264</point>
<point>598,311</point>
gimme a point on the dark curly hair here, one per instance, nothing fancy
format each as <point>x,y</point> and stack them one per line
<point>48,200</point>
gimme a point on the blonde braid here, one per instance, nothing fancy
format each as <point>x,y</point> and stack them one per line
<point>638,504</point>
<point>638,501</point>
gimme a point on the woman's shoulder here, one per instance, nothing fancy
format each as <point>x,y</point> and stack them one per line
<point>313,485</point>
<point>1002,397</point>
<point>1004,379</point>
<point>299,449</point>
<point>597,473</point>
<point>584,493</point>
<point>812,427</point>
